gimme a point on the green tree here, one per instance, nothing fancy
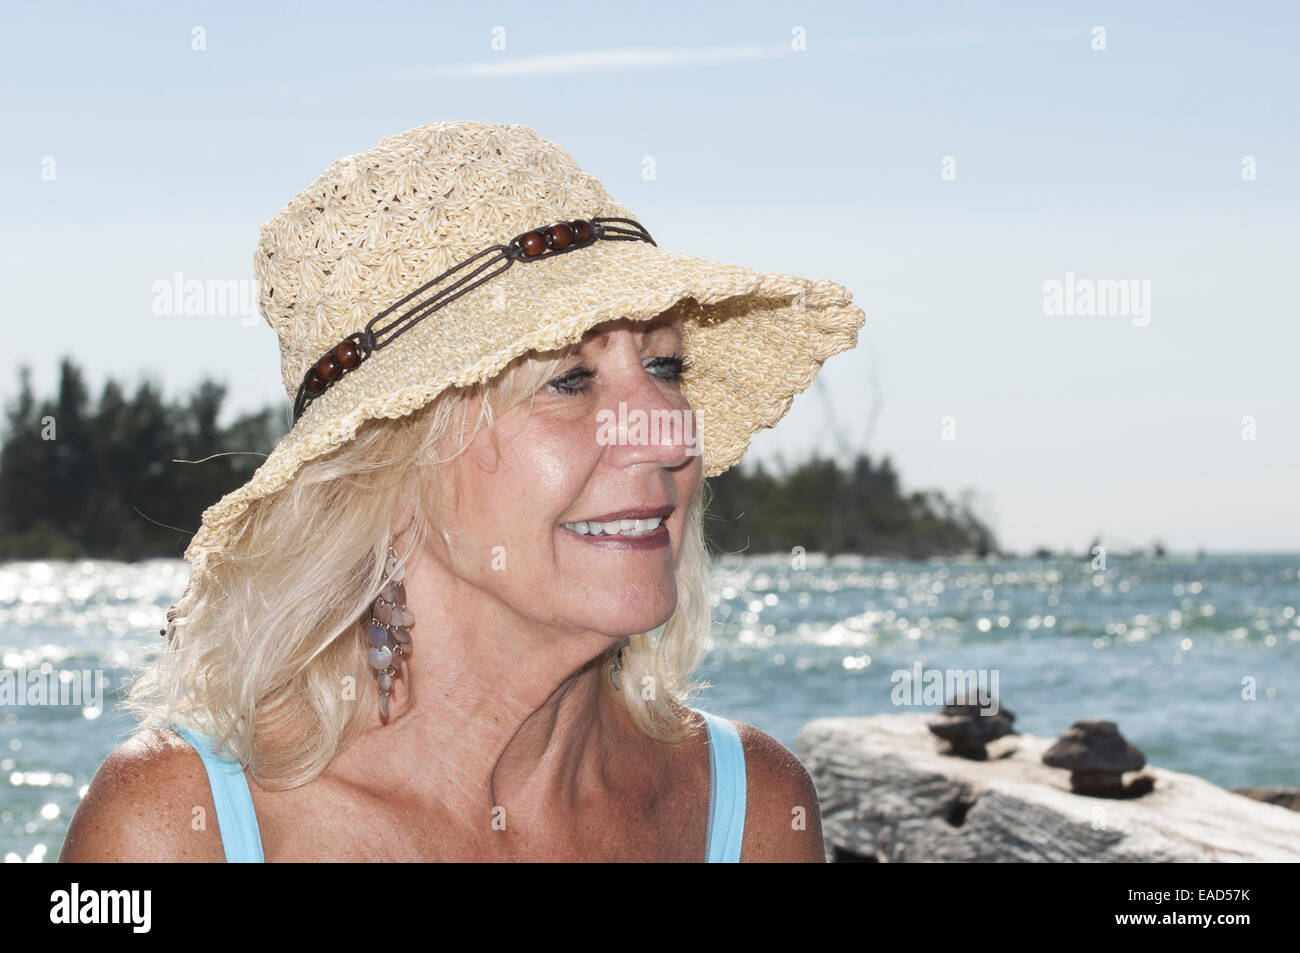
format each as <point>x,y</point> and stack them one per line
<point>107,485</point>
<point>825,507</point>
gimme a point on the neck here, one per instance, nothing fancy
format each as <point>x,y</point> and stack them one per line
<point>518,714</point>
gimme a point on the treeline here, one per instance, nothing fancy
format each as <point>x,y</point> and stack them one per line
<point>94,477</point>
<point>84,477</point>
<point>829,508</point>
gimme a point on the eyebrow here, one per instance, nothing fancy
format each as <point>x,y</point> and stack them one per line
<point>642,330</point>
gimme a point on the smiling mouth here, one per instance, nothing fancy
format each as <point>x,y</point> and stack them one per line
<point>626,528</point>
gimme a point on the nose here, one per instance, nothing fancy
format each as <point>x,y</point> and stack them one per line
<point>642,420</point>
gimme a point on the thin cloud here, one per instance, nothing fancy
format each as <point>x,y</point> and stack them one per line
<point>589,61</point>
<point>630,58</point>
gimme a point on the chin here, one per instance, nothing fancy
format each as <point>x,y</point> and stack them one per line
<point>618,622</point>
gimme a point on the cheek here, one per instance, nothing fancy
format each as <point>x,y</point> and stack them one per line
<point>520,495</point>
<point>551,463</point>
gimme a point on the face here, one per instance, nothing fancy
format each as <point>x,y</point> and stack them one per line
<point>578,523</point>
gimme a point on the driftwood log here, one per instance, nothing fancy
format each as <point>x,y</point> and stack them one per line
<point>888,794</point>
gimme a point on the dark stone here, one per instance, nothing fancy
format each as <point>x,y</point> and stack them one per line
<point>1096,755</point>
<point>967,729</point>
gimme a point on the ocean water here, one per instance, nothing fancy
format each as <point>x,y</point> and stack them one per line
<point>1197,660</point>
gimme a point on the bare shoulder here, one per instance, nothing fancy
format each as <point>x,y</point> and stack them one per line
<point>782,819</point>
<point>148,802</point>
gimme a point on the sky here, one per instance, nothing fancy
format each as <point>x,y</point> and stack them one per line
<point>947,163</point>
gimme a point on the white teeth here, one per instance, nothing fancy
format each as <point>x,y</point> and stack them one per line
<point>617,527</point>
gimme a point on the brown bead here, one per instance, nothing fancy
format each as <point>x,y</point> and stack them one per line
<point>327,368</point>
<point>314,383</point>
<point>532,244</point>
<point>346,355</point>
<point>559,236</point>
<point>581,230</point>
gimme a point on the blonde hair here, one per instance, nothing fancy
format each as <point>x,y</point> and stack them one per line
<point>261,645</point>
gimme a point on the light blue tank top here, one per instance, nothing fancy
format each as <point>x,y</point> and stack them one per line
<point>242,840</point>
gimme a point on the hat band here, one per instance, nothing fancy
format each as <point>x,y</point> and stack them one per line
<point>558,239</point>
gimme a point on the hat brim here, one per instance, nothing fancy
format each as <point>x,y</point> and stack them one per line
<point>758,340</point>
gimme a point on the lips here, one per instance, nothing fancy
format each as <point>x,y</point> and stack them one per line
<point>641,513</point>
<point>625,524</point>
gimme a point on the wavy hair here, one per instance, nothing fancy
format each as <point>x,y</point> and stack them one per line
<point>261,647</point>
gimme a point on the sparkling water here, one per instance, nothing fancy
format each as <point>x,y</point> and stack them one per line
<point>1197,660</point>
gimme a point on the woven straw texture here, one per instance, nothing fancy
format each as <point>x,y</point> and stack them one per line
<point>377,225</point>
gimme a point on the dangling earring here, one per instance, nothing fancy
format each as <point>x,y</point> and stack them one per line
<point>389,630</point>
<point>616,668</point>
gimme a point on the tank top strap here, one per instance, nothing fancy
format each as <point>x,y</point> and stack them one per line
<point>726,790</point>
<point>240,837</point>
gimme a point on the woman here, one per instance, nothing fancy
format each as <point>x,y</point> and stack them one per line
<point>454,614</point>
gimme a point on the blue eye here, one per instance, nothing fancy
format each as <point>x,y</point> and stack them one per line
<point>578,380</point>
<point>676,366</point>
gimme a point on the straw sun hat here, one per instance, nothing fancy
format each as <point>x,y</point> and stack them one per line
<point>371,234</point>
